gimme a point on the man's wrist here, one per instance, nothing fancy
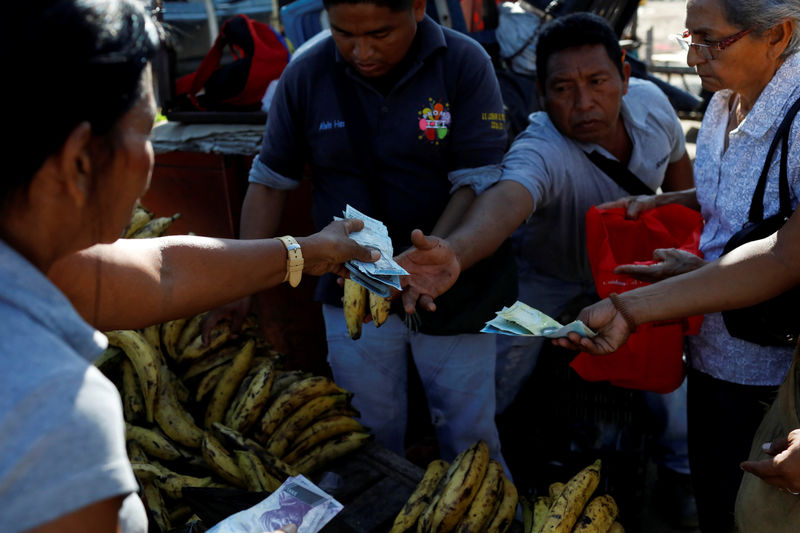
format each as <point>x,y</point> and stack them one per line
<point>623,310</point>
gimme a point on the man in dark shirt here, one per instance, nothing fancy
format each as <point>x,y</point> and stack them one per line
<point>403,120</point>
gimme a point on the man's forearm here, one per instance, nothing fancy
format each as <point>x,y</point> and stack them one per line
<point>490,220</point>
<point>261,212</point>
<point>454,212</point>
<point>687,198</point>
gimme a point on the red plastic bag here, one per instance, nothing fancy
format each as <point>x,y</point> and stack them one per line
<point>652,359</point>
<point>260,55</point>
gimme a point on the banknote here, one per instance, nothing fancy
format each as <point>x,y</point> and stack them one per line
<point>297,501</point>
<point>522,319</point>
<point>384,273</point>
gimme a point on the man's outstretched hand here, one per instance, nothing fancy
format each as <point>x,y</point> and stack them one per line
<point>433,268</point>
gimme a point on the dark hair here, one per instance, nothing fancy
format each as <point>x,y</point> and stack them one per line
<point>570,31</point>
<point>394,5</point>
<point>69,61</point>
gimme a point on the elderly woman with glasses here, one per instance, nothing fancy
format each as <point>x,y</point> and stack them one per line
<point>746,52</point>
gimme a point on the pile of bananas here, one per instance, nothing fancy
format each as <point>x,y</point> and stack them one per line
<point>223,414</point>
<point>572,507</point>
<point>357,301</point>
<point>471,495</point>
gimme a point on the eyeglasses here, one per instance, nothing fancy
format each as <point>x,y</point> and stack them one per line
<point>711,49</point>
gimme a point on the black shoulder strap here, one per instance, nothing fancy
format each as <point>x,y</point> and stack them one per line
<point>621,175</point>
<point>782,136</point>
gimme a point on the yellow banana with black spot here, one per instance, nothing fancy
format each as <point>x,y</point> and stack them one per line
<point>378,308</point>
<point>461,483</point>
<point>568,505</point>
<point>598,516</point>
<point>228,383</point>
<point>406,519</point>
<point>145,360</point>
<point>355,303</point>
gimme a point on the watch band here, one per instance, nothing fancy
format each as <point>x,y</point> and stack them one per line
<point>294,260</point>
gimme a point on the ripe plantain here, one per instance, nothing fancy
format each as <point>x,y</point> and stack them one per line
<point>486,501</point>
<point>152,441</point>
<point>355,303</point>
<point>461,483</point>
<point>245,412</point>
<point>568,506</point>
<point>132,401</point>
<point>228,383</point>
<point>378,308</point>
<point>154,501</point>
<point>219,335</point>
<point>172,483</point>
<point>255,474</point>
<point>504,515</point>
<point>321,430</point>
<point>170,333</point>
<point>541,510</point>
<point>598,516</point>
<point>283,379</point>
<point>210,380</point>
<point>139,219</point>
<point>191,329</point>
<point>153,336</point>
<point>287,432</point>
<point>331,450</point>
<point>295,395</point>
<point>145,361</point>
<point>171,416</point>
<point>406,519</point>
<point>555,489</point>
<point>221,461</point>
<point>210,361</point>
<point>157,227</point>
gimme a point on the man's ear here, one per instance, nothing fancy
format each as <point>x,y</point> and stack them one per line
<point>74,164</point>
<point>418,7</point>
<point>626,75</point>
<point>540,94</point>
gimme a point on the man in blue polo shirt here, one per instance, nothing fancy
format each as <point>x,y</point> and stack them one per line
<point>403,120</point>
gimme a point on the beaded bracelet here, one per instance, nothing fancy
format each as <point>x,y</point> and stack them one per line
<point>620,307</point>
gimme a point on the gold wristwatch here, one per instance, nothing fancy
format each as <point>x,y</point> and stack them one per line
<point>294,260</point>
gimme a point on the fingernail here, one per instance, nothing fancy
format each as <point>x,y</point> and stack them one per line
<point>766,446</point>
<point>374,254</point>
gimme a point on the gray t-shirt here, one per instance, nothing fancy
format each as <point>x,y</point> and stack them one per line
<point>62,434</point>
<point>564,184</point>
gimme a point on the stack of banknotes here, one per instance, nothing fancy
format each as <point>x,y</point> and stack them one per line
<point>381,276</point>
<point>522,319</point>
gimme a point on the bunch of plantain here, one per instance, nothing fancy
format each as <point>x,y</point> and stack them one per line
<point>357,302</point>
<point>572,507</point>
<point>470,495</point>
<point>219,412</point>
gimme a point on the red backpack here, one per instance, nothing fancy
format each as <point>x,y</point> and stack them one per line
<point>260,55</point>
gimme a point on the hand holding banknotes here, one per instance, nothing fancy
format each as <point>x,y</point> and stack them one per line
<point>610,325</point>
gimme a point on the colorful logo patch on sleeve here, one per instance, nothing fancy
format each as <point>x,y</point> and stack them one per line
<point>434,121</point>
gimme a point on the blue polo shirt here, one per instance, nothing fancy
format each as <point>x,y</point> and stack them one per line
<point>440,126</point>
